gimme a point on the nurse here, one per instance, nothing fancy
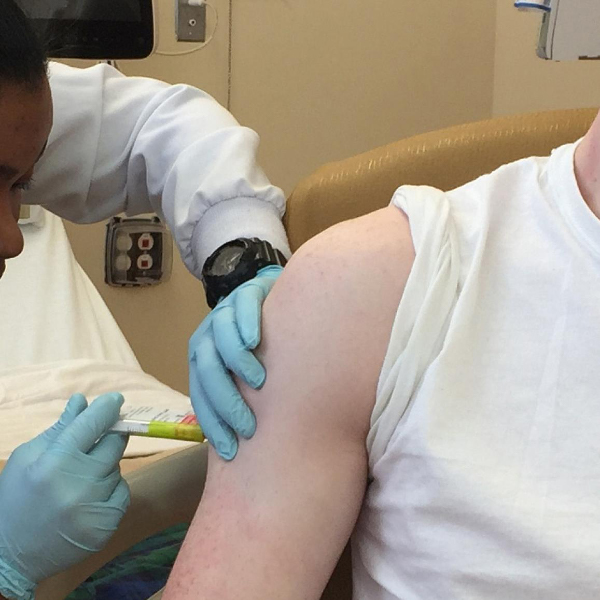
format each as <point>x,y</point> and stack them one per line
<point>137,145</point>
<point>88,144</point>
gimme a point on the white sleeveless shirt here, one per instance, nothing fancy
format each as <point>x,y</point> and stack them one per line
<point>484,450</point>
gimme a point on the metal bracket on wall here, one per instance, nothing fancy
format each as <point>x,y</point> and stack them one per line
<point>190,21</point>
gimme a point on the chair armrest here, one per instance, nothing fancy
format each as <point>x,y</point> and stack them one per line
<point>163,494</point>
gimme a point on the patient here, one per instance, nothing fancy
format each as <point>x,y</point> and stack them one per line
<point>432,387</point>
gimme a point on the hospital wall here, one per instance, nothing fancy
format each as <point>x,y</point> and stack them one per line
<point>523,82</point>
<point>319,80</point>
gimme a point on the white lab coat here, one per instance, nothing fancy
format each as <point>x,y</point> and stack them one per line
<point>137,145</point>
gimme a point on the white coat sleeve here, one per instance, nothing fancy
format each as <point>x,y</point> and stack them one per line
<point>137,145</point>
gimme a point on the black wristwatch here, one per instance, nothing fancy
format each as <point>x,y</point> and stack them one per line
<point>234,263</point>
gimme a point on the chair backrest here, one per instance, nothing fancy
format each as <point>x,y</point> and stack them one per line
<point>444,159</point>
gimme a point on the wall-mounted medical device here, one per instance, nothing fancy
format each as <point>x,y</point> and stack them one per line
<point>139,252</point>
<point>93,29</point>
<point>570,28</point>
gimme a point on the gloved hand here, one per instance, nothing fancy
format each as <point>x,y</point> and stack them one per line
<point>224,341</point>
<point>61,495</point>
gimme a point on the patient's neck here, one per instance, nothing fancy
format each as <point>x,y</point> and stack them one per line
<point>587,167</point>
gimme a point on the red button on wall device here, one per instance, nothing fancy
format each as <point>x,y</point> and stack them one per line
<point>144,262</point>
<point>145,241</point>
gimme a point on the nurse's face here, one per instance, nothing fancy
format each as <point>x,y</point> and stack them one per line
<point>25,123</point>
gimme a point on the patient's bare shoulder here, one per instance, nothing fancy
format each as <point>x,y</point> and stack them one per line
<point>339,295</point>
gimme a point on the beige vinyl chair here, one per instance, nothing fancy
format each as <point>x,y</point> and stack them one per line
<point>167,492</point>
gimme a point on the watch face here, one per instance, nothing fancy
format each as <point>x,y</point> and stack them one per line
<point>227,261</point>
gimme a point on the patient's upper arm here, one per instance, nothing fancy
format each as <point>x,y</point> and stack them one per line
<point>273,522</point>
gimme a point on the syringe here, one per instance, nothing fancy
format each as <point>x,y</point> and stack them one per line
<point>159,423</point>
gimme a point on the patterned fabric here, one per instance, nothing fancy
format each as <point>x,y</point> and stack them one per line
<point>137,573</point>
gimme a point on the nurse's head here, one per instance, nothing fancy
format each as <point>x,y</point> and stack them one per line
<point>25,119</point>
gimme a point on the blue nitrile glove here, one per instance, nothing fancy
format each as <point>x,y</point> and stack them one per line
<point>223,343</point>
<point>61,495</point>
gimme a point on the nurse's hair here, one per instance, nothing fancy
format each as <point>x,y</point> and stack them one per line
<point>22,57</point>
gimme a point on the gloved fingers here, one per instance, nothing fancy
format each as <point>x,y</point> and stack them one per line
<point>220,390</point>
<point>120,499</point>
<point>104,489</point>
<point>92,423</point>
<point>106,454</point>
<point>109,513</point>
<point>93,488</point>
<point>217,432</point>
<point>249,299</point>
<point>232,349</point>
<point>75,406</point>
<point>98,520</point>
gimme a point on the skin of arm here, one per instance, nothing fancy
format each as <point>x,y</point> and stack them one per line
<point>272,523</point>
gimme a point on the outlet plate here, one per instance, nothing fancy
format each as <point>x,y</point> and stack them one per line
<point>190,22</point>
